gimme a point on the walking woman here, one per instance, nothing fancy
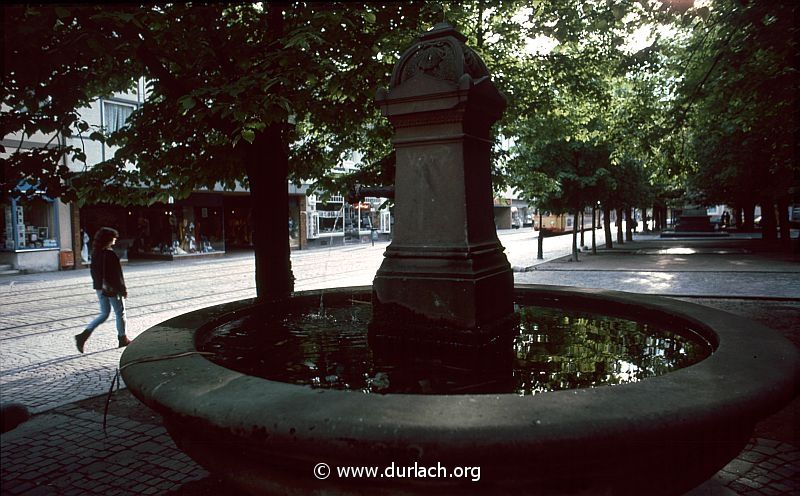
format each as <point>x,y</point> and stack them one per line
<point>109,284</point>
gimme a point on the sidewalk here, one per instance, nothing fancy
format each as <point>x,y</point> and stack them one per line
<point>65,451</point>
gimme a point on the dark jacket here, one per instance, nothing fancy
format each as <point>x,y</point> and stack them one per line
<point>106,266</point>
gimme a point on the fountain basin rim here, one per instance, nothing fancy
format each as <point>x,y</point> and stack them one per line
<point>752,372</point>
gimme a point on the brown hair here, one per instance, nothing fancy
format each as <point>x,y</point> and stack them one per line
<point>103,237</point>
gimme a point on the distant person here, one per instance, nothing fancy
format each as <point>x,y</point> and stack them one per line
<point>109,284</point>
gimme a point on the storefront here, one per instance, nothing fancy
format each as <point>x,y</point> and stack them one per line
<point>190,227</point>
<point>334,222</point>
<point>30,233</point>
<point>238,221</point>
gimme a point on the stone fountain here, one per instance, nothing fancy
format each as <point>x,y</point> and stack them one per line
<point>446,282</point>
<point>445,267</point>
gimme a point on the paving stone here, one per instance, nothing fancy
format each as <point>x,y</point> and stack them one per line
<point>739,466</point>
<point>726,477</point>
<point>149,447</point>
<point>15,487</point>
<point>768,491</point>
<point>766,450</point>
<point>738,486</point>
<point>762,480</point>
<point>781,486</point>
<point>753,456</point>
<point>787,471</point>
<point>790,456</point>
<point>41,368</point>
<point>42,491</point>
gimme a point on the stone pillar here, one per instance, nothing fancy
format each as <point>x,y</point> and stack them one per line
<point>445,267</point>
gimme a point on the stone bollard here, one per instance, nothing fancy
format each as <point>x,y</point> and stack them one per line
<point>12,415</point>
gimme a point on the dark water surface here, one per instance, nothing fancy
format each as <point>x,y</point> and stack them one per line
<point>547,350</point>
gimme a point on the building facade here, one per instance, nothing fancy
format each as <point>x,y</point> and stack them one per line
<point>38,233</point>
<point>35,230</point>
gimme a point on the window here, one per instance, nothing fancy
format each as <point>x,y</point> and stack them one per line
<point>386,221</point>
<point>115,115</point>
<point>28,224</point>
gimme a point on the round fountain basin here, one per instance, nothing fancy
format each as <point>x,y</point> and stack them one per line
<point>660,435</point>
<point>543,349</point>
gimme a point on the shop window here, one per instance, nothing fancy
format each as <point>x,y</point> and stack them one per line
<point>312,225</point>
<point>29,224</point>
<point>386,221</point>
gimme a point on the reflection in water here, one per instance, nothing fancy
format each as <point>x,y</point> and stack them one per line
<point>550,350</point>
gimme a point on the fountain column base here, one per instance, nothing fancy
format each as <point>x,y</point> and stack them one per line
<point>435,294</point>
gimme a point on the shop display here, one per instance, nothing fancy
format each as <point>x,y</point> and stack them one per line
<point>17,235</point>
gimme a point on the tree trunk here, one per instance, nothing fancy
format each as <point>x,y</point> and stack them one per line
<point>662,217</point>
<point>540,241</point>
<point>607,226</point>
<point>575,236</point>
<point>594,229</point>
<point>749,216</point>
<point>783,223</point>
<point>268,188</point>
<point>768,224</point>
<point>629,224</point>
<point>656,225</point>
<point>645,217</point>
<point>583,243</point>
<point>620,235</point>
<point>736,220</point>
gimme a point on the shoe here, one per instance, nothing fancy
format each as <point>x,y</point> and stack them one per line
<point>124,341</point>
<point>80,340</point>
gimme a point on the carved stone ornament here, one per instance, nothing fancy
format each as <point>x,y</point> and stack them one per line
<point>442,54</point>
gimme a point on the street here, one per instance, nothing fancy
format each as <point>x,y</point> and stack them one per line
<point>65,447</point>
<point>40,313</point>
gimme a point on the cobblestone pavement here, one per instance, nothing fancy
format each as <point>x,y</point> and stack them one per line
<point>66,452</point>
<point>40,314</point>
<point>63,449</point>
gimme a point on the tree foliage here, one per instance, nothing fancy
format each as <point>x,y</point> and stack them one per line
<point>739,105</point>
<point>255,93</point>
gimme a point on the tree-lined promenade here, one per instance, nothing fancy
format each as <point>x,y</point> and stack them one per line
<point>65,448</point>
<point>612,105</point>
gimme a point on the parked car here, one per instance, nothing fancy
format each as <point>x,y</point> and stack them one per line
<point>527,221</point>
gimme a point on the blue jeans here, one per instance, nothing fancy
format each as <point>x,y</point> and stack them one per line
<point>106,302</point>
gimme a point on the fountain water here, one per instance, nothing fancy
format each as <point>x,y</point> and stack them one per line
<point>446,285</point>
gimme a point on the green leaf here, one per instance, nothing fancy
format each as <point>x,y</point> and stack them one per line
<point>369,17</point>
<point>186,103</point>
<point>297,40</point>
<point>248,135</point>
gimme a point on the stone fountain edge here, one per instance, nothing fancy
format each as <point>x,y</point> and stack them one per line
<point>752,372</point>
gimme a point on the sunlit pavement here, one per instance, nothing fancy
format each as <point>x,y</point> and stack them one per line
<point>63,449</point>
